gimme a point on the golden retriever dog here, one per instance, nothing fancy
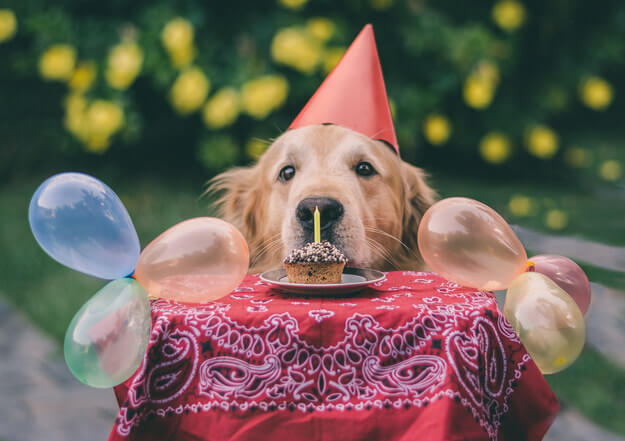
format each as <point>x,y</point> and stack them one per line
<point>370,200</point>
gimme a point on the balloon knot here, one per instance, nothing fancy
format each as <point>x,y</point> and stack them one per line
<point>530,267</point>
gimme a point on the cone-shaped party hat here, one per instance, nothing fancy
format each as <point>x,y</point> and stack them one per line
<point>353,94</point>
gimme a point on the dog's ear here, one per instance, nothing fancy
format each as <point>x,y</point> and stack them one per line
<point>418,196</point>
<point>238,199</point>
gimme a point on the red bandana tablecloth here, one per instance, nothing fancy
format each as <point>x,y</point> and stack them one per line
<point>415,357</point>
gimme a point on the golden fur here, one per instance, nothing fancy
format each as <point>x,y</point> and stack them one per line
<point>381,212</point>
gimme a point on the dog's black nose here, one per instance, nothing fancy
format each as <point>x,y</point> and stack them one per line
<point>330,210</point>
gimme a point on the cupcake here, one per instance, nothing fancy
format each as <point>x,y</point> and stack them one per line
<point>317,262</point>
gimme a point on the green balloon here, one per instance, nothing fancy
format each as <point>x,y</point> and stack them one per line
<point>107,338</point>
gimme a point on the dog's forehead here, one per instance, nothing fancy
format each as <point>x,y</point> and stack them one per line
<point>325,143</point>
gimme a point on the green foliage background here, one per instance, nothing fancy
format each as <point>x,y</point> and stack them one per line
<point>427,49</point>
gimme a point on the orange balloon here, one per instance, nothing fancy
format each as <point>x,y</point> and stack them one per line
<point>467,242</point>
<point>196,261</point>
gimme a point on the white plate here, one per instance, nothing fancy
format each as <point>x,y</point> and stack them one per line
<point>352,280</point>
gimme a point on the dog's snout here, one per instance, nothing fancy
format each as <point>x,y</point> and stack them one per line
<point>330,211</point>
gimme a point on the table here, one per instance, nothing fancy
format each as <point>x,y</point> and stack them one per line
<point>414,357</point>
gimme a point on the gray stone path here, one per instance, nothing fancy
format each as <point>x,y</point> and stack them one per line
<point>570,425</point>
<point>599,254</point>
<point>40,399</point>
<point>605,322</point>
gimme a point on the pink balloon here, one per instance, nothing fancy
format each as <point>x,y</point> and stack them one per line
<point>567,275</point>
<point>468,243</point>
<point>196,261</point>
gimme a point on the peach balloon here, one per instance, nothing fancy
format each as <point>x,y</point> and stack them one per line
<point>467,242</point>
<point>196,261</point>
<point>547,320</point>
<point>567,275</point>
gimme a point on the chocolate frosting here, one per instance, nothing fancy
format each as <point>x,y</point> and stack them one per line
<point>316,252</point>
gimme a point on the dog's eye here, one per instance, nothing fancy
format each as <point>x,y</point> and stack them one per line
<point>364,169</point>
<point>287,173</point>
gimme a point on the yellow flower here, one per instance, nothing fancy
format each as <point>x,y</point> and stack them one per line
<point>542,142</point>
<point>509,15</point>
<point>124,64</point>
<point>255,147</point>
<point>556,219</point>
<point>295,48</point>
<point>75,109</point>
<point>611,170</point>
<point>381,4</point>
<point>293,4</point>
<point>321,28</point>
<point>83,77</point>
<point>261,96</point>
<point>478,91</point>
<point>189,91</point>
<point>177,34</point>
<point>577,157</point>
<point>93,124</point>
<point>97,143</point>
<point>521,206</point>
<point>104,118</point>
<point>596,93</point>
<point>436,129</point>
<point>183,57</point>
<point>495,148</point>
<point>57,62</point>
<point>331,57</point>
<point>8,24</point>
<point>75,102</point>
<point>177,38</point>
<point>222,109</point>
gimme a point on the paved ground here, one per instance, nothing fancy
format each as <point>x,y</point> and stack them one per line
<point>41,400</point>
<point>605,322</point>
<point>598,254</point>
<point>572,426</point>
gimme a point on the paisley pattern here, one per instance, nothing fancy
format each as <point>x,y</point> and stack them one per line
<point>413,339</point>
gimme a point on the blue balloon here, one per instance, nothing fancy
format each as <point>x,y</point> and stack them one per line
<point>80,222</point>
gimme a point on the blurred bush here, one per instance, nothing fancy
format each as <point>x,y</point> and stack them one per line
<point>503,85</point>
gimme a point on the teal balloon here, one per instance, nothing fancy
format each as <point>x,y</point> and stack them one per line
<point>107,339</point>
<point>80,222</point>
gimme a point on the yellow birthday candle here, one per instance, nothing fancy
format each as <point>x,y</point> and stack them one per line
<point>317,220</point>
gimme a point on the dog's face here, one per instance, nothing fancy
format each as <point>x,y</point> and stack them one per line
<point>369,200</point>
